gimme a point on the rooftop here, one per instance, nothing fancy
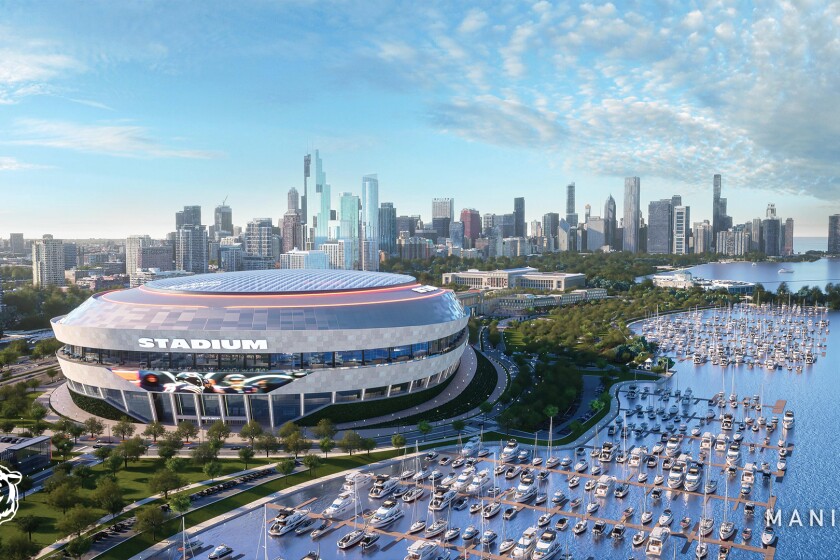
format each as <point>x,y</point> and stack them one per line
<point>280,281</point>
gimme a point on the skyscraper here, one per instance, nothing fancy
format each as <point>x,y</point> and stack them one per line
<point>682,233</point>
<point>610,222</point>
<point>292,228</point>
<point>441,226</point>
<point>660,227</point>
<point>223,220</point>
<point>191,248</point>
<point>189,216</point>
<point>349,228</point>
<point>571,212</point>
<point>307,162</point>
<point>472,226</point>
<point>720,220</point>
<point>834,234</point>
<point>388,228</point>
<point>519,217</point>
<point>370,223</point>
<point>595,233</point>
<point>319,203</point>
<point>16,244</point>
<point>133,245</point>
<point>550,223</point>
<point>48,262</point>
<point>443,208</point>
<point>258,237</point>
<point>703,237</point>
<point>771,230</point>
<point>788,243</point>
<point>632,195</point>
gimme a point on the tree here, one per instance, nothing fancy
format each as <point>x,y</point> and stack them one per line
<point>326,445</point>
<point>245,455</point>
<point>78,547</point>
<point>28,524</point>
<point>103,452</point>
<point>33,383</point>
<point>218,431</point>
<point>251,431</point>
<point>52,373</point>
<point>424,428</point>
<point>267,442</point>
<point>94,426</point>
<point>37,411</point>
<point>286,467</point>
<point>212,469</point>
<point>311,462</point>
<point>368,444</point>
<point>169,445</point>
<point>324,428</point>
<point>62,445</point>
<point>25,485</point>
<point>75,430</point>
<point>485,407</point>
<point>133,449</point>
<point>7,425</point>
<point>150,519</point>
<point>350,442</point>
<point>187,430</point>
<point>123,429</point>
<point>295,443</point>
<point>458,426</point>
<point>180,503</point>
<point>176,464</point>
<point>164,482</point>
<point>203,453</point>
<point>17,546</point>
<point>288,429</point>
<point>63,497</point>
<point>85,475</point>
<point>77,520</point>
<point>154,431</point>
<point>108,496</point>
<point>113,463</point>
<point>398,441</point>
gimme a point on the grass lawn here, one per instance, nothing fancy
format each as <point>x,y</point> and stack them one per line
<point>330,466</point>
<point>514,340</point>
<point>133,481</point>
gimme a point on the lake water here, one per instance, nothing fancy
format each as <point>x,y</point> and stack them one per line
<point>817,273</point>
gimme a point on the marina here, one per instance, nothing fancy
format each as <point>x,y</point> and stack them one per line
<point>680,471</point>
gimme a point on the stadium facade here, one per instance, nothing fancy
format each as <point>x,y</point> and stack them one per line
<point>268,345</point>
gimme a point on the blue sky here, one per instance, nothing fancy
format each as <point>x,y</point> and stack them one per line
<point>113,115</point>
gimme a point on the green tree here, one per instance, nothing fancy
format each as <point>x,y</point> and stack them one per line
<point>288,429</point>
<point>33,383</point>
<point>245,455</point>
<point>62,445</point>
<point>187,430</point>
<point>458,426</point>
<point>311,462</point>
<point>37,411</point>
<point>94,426</point>
<point>109,496</point>
<point>169,445</point>
<point>398,441</point>
<point>180,503</point>
<point>165,481</point>
<point>25,485</point>
<point>76,431</point>
<point>267,442</point>
<point>52,373</point>
<point>28,524</point>
<point>123,429</point>
<point>103,453</point>
<point>350,442</point>
<point>295,443</point>
<point>131,449</point>
<point>203,453</point>
<point>176,464</point>
<point>150,519</point>
<point>154,431</point>
<point>251,431</point>
<point>286,467</point>
<point>17,546</point>
<point>368,444</point>
<point>7,425</point>
<point>212,469</point>
<point>114,463</point>
<point>78,547</point>
<point>424,428</point>
<point>326,445</point>
<point>324,428</point>
<point>77,520</point>
<point>84,474</point>
<point>63,497</point>
<point>218,431</point>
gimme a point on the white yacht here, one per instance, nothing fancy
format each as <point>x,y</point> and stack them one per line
<point>383,486</point>
<point>677,475</point>
<point>220,552</point>
<point>672,447</point>
<point>423,550</point>
<point>547,547</point>
<point>637,454</point>
<point>726,530</point>
<point>441,499</point>
<point>693,478</point>
<point>607,453</point>
<point>524,492</point>
<point>387,513</point>
<point>286,520</point>
<point>605,486</point>
<point>478,483</point>
<point>510,451</point>
<point>463,480</point>
<point>787,420</point>
<point>768,537</point>
<point>341,505</point>
<point>657,540</point>
<point>351,539</point>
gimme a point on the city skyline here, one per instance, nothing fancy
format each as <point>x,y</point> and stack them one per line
<point>154,106</point>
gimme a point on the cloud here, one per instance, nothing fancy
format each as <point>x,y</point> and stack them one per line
<point>27,65</point>
<point>474,20</point>
<point>115,140</point>
<point>12,164</point>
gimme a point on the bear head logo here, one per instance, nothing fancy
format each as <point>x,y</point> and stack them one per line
<point>8,486</point>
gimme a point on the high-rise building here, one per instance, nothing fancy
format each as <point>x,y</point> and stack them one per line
<point>341,254</point>
<point>230,257</point>
<point>756,241</point>
<point>71,255</point>
<point>16,244</point>
<point>133,245</point>
<point>258,238</point>
<point>519,217</point>
<point>189,216</point>
<point>456,234</point>
<point>788,242</point>
<point>319,202</point>
<point>771,232</point>
<point>472,226</point>
<point>441,226</point>
<point>370,223</point>
<point>415,248</point>
<point>388,228</point>
<point>720,220</point>
<point>349,228</point>
<point>682,233</point>
<point>564,236</point>
<point>550,223</point>
<point>610,222</point>
<point>191,249</point>
<point>535,229</point>
<point>571,212</point>
<point>596,237</point>
<point>488,222</point>
<point>632,195</point>
<point>307,162</point>
<point>443,208</point>
<point>158,257</point>
<point>304,259</point>
<point>834,234</point>
<point>223,221</point>
<point>660,227</point>
<point>48,262</point>
<point>292,228</point>
<point>406,223</point>
<point>703,237</point>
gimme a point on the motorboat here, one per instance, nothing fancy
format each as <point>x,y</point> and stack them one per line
<point>311,555</point>
<point>423,550</point>
<point>407,474</point>
<point>387,513</point>
<point>710,487</point>
<point>562,524</point>
<point>451,534</point>
<point>647,517</point>
<point>693,478</point>
<point>417,526</point>
<point>618,531</point>
<point>470,533</point>
<point>746,534</point>
<point>604,486</point>
<point>575,503</point>
<point>726,530</point>
<point>544,519</point>
<point>599,528</point>
<point>566,462</point>
<point>305,526</point>
<point>581,465</point>
<point>666,518</point>
<point>478,483</point>
<point>369,540</point>
<point>510,513</point>
<point>524,492</point>
<point>656,541</point>
<point>286,520</point>
<point>351,539</point>
<point>414,494</point>
<point>768,536</point>
<point>320,530</point>
<point>574,481</point>
<point>383,486</point>
<point>506,545</point>
<point>642,477</point>
<point>356,481</point>
<point>658,479</point>
<point>541,498</point>
<point>592,507</point>
<point>707,525</point>
<point>639,537</point>
<point>621,490</point>
<point>525,545</point>
<point>580,527</point>
<point>787,420</point>
<point>436,528</point>
<point>512,471</point>
<point>701,551</point>
<point>459,503</point>
<point>442,499</point>
<point>220,552</point>
<point>547,546</point>
<point>463,480</point>
<point>628,513</point>
<point>488,537</point>
<point>589,485</point>
<point>510,451</point>
<point>341,505</point>
<point>491,510</point>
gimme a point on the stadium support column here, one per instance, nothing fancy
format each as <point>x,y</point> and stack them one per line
<point>270,411</point>
<point>152,407</point>
<point>221,407</point>
<point>247,399</point>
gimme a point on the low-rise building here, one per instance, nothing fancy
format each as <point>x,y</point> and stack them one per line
<point>525,277</point>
